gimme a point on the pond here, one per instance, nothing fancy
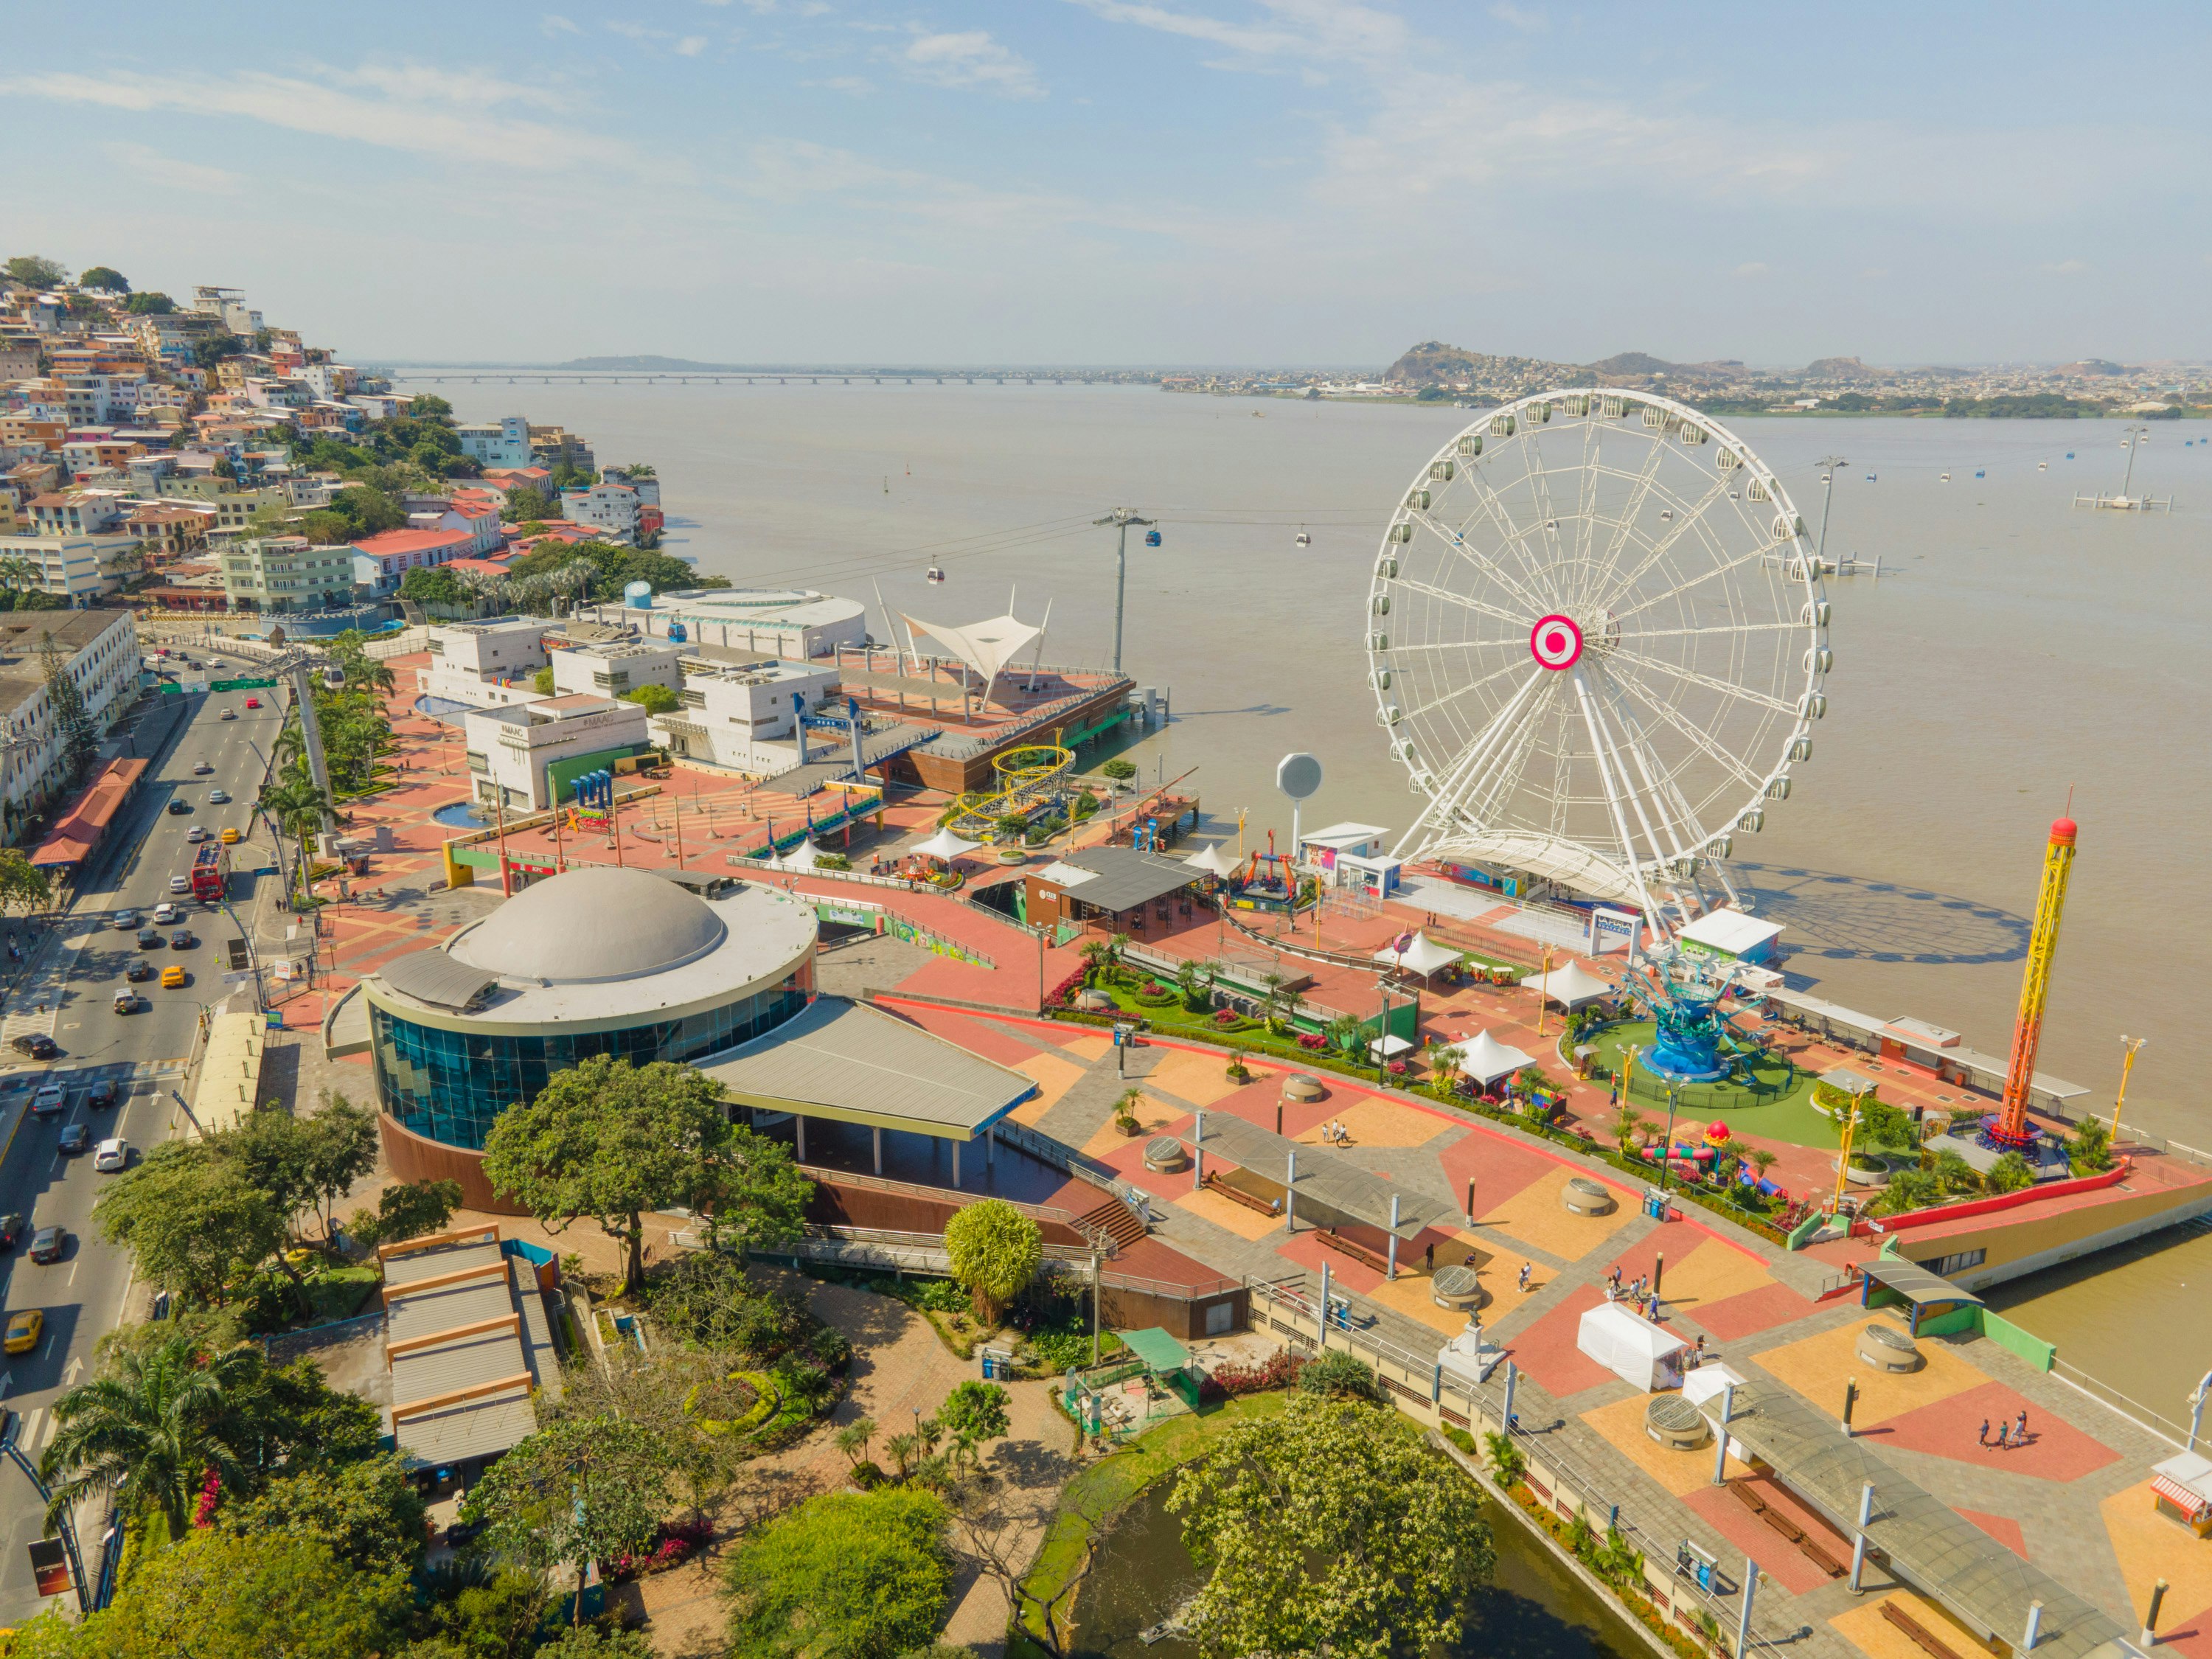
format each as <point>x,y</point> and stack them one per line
<point>1533,1608</point>
<point>463,814</point>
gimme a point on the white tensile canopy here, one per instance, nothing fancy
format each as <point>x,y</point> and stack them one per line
<point>1423,956</point>
<point>987,647</point>
<point>1571,986</point>
<point>947,845</point>
<point>804,856</point>
<point>1631,1347</point>
<point>1215,860</point>
<point>1483,1058</point>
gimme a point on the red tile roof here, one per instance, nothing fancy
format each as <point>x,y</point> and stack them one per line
<point>390,542</point>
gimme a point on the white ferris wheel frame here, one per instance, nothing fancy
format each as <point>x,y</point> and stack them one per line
<point>1658,842</point>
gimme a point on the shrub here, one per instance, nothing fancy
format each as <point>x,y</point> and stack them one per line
<point>995,1250</point>
<point>2010,1173</point>
<point>1278,1371</point>
<point>1337,1374</point>
<point>2091,1148</point>
<point>1119,770</point>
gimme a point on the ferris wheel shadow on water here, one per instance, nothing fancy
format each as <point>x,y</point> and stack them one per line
<point>1839,918</point>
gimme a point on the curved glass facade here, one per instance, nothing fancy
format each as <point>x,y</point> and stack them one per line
<point>449,1086</point>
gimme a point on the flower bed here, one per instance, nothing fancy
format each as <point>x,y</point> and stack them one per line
<point>678,1542</point>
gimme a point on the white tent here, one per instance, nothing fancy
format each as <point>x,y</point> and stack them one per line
<point>804,856</point>
<point>945,845</point>
<point>987,647</point>
<point>1483,1058</point>
<point>1422,956</point>
<point>1632,1348</point>
<point>1215,860</point>
<point>1570,987</point>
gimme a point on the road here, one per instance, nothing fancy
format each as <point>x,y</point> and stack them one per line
<point>82,1295</point>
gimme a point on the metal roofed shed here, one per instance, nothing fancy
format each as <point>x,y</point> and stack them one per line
<point>441,980</point>
<point>1920,1288</point>
<point>1329,1188</point>
<point>468,1343</point>
<point>1732,935</point>
<point>858,1064</point>
<point>1112,879</point>
<point>1929,1547</point>
<point>1156,1350</point>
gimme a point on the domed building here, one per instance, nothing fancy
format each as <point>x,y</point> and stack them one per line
<point>644,966</point>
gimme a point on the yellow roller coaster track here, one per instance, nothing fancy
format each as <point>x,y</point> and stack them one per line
<point>1026,776</point>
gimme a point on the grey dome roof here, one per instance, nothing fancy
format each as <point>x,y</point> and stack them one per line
<point>592,925</point>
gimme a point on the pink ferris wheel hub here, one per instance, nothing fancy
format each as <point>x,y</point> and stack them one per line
<point>1556,642</point>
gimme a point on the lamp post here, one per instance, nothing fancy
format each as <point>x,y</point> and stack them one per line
<point>1120,518</point>
<point>1828,466</point>
<point>2127,1064</point>
<point>1667,1146</point>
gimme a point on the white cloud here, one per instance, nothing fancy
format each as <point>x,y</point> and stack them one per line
<point>1514,17</point>
<point>1754,268</point>
<point>853,86</point>
<point>554,23</point>
<point>167,171</point>
<point>972,58</point>
<point>2066,267</point>
<point>691,45</point>
<point>1299,28</point>
<point>423,112</point>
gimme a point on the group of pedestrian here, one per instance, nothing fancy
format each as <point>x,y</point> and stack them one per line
<point>2009,1435</point>
<point>1637,1293</point>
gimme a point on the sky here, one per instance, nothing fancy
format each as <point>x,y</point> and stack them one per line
<point>1276,182</point>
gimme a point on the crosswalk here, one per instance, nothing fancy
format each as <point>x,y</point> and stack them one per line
<point>37,1002</point>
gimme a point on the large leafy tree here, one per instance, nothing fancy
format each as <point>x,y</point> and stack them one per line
<point>849,1575</point>
<point>32,271</point>
<point>192,1218</point>
<point>995,1252</point>
<point>73,721</point>
<point>407,1210</point>
<point>366,1512</point>
<point>580,1490</point>
<point>1330,1529</point>
<point>22,883</point>
<point>610,1141</point>
<point>217,1596</point>
<point>152,1429</point>
<point>106,278</point>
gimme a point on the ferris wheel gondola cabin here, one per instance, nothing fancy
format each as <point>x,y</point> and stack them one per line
<point>1597,641</point>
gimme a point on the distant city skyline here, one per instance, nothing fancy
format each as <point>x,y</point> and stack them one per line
<point>1248,183</point>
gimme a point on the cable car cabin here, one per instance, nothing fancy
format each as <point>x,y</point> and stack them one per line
<point>1151,538</point>
<point>936,577</point>
<point>1304,540</point>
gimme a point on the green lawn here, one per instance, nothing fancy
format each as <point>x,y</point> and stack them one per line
<point>1785,1115</point>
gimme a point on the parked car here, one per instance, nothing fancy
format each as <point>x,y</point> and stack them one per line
<point>110,1155</point>
<point>11,1230</point>
<point>180,806</point>
<point>140,970</point>
<point>37,1044</point>
<point>46,1244</point>
<point>24,1327</point>
<point>49,1099</point>
<point>76,1138</point>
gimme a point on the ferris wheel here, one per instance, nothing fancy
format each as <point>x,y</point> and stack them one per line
<point>1597,641</point>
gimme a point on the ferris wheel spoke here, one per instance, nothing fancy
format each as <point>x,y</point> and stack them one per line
<point>1479,607</point>
<point>1458,543</point>
<point>1690,517</point>
<point>1699,580</point>
<point>1540,588</point>
<point>1609,777</point>
<point>1642,477</point>
<point>1509,756</point>
<point>1470,759</point>
<point>1696,737</point>
<point>1672,807</point>
<point>1690,676</point>
<point>1454,696</point>
<point>1716,629</point>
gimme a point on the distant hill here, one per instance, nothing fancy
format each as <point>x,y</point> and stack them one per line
<point>2093,366</point>
<point>647,365</point>
<point>1845,369</point>
<point>1434,363</point>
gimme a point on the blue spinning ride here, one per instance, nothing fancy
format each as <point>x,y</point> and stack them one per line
<point>1694,1041</point>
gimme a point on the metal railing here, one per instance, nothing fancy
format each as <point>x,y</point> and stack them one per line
<point>2143,1417</point>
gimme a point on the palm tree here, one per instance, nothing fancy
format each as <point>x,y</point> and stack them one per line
<point>292,802</point>
<point>152,1431</point>
<point>1097,954</point>
<point>1762,1160</point>
<point>1627,1124</point>
<point>1443,1063</point>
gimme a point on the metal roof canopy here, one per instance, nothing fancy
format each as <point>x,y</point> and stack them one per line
<point>1938,1551</point>
<point>1324,1179</point>
<point>1922,1287</point>
<point>441,980</point>
<point>1118,879</point>
<point>1155,1350</point>
<point>858,1064</point>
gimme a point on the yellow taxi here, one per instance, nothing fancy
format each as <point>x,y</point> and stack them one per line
<point>229,836</point>
<point>172,977</point>
<point>24,1328</point>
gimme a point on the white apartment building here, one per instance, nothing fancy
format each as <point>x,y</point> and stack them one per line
<point>100,649</point>
<point>648,490</point>
<point>613,669</point>
<point>745,718</point>
<point>275,574</point>
<point>78,567</point>
<point>512,753</point>
<point>503,443</point>
<point>486,665</point>
<point>610,508</point>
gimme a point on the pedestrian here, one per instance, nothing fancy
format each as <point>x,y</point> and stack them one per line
<point>1984,1438</point>
<point>1616,1275</point>
<point>1523,1282</point>
<point>2019,1433</point>
<point>2004,1436</point>
<point>1701,1351</point>
<point>1429,1257</point>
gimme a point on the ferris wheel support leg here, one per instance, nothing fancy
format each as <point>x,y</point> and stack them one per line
<point>1631,865</point>
<point>1445,802</point>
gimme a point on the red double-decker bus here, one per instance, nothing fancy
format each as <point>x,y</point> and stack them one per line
<point>211,873</point>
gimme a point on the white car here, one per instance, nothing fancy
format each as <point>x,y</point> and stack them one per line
<point>165,914</point>
<point>49,1100</point>
<point>110,1155</point>
<point>180,884</point>
<point>196,834</point>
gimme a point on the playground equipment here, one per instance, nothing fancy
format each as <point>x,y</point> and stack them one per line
<point>595,803</point>
<point>1696,1042</point>
<point>1027,777</point>
<point>2007,1131</point>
